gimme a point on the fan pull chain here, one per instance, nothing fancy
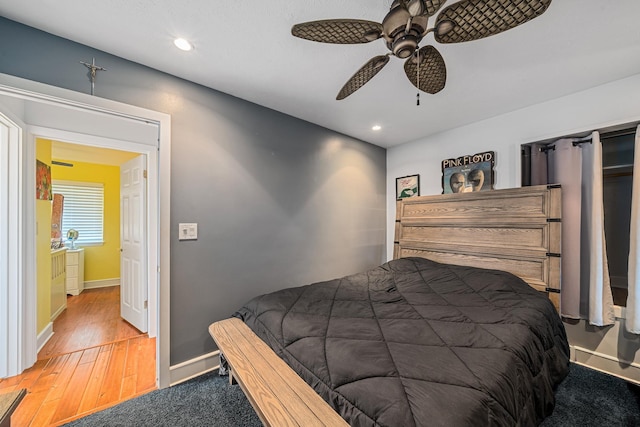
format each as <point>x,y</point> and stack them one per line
<point>418,77</point>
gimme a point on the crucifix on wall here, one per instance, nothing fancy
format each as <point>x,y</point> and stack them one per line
<point>93,69</point>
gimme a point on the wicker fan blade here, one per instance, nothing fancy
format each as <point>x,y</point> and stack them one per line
<point>363,75</point>
<point>476,19</point>
<point>431,73</point>
<point>338,31</point>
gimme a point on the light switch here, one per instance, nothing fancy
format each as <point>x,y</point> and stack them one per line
<point>188,231</point>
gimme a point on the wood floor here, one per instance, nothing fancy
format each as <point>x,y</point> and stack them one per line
<point>93,361</point>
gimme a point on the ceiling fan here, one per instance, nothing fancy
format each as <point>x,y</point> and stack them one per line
<point>407,23</point>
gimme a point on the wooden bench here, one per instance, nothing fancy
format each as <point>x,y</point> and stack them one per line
<point>278,395</point>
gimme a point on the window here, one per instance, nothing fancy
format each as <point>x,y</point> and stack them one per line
<point>83,210</point>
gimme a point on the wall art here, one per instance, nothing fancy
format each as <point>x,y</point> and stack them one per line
<point>43,181</point>
<point>468,173</point>
<point>407,186</point>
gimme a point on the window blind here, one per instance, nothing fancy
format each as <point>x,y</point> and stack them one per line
<point>82,210</point>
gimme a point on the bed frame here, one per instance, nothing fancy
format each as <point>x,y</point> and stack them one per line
<point>517,230</point>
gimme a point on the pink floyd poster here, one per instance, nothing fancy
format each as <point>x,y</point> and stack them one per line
<point>468,174</point>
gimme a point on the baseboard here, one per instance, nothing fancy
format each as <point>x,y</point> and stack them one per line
<point>93,284</point>
<point>59,311</point>
<point>44,336</point>
<point>628,371</point>
<point>192,368</point>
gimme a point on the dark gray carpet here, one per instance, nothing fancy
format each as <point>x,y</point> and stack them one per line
<point>588,398</point>
<point>585,398</point>
<point>207,400</point>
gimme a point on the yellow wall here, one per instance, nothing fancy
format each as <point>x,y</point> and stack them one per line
<point>43,246</point>
<point>100,262</point>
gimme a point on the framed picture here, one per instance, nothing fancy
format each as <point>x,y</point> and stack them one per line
<point>56,216</point>
<point>468,173</point>
<point>43,181</point>
<point>407,186</point>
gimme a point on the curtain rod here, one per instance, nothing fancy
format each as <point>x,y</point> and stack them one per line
<point>547,148</point>
<point>578,141</point>
<point>575,142</point>
<point>588,138</point>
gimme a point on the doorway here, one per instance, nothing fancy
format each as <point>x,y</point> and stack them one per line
<point>67,116</point>
<point>87,186</point>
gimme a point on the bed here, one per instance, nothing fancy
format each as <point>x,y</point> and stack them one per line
<point>459,328</point>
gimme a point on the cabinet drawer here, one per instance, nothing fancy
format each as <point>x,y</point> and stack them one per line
<point>72,271</point>
<point>72,258</point>
<point>72,283</point>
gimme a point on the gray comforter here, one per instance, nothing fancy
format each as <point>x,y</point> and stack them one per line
<point>416,343</point>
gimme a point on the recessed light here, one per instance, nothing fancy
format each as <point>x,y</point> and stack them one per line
<point>183,44</point>
<point>376,127</point>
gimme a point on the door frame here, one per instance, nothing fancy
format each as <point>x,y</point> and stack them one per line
<point>158,199</point>
<point>12,252</point>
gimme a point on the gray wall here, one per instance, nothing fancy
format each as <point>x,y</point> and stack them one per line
<point>280,202</point>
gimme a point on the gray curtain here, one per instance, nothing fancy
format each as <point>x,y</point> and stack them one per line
<point>538,164</point>
<point>632,322</point>
<point>565,168</point>
<point>595,268</point>
<point>586,291</point>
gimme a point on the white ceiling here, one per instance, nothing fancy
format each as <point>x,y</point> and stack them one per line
<point>246,49</point>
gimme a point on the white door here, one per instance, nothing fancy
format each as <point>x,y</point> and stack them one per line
<point>133,226</point>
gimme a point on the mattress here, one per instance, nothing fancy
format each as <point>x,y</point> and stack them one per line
<point>415,342</point>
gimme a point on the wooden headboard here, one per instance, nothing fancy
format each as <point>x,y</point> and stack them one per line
<point>516,230</point>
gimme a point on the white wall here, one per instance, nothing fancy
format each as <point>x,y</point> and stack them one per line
<point>600,107</point>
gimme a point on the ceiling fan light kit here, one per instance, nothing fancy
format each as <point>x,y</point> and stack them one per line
<point>416,7</point>
<point>405,26</point>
